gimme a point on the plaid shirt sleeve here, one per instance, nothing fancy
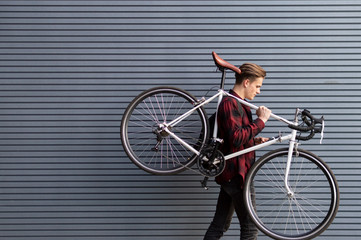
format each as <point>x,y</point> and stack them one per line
<point>237,131</point>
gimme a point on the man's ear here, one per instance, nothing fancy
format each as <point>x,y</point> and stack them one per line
<point>246,83</point>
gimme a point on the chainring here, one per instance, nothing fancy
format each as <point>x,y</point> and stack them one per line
<point>211,167</point>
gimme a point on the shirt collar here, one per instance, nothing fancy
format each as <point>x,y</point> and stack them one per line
<point>248,109</point>
<point>235,94</point>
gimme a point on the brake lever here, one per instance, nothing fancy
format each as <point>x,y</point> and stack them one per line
<point>322,130</point>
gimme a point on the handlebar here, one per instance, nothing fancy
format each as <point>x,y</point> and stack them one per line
<point>309,120</point>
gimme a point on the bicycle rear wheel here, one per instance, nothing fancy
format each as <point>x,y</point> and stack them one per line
<point>304,215</point>
<point>153,150</point>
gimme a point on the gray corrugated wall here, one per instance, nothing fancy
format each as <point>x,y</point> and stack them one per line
<point>69,68</point>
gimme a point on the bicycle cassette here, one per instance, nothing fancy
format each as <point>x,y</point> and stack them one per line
<point>211,167</point>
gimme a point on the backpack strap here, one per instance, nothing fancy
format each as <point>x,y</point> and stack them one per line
<point>240,108</point>
<point>212,118</point>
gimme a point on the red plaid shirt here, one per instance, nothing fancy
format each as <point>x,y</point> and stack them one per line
<point>237,131</point>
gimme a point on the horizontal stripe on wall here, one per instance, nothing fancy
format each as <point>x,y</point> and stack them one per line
<point>68,70</point>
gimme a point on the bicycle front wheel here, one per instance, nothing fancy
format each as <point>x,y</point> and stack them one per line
<point>156,151</point>
<point>303,215</point>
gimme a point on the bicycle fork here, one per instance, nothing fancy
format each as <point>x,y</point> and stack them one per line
<point>291,148</point>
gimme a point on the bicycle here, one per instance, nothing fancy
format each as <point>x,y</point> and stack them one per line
<point>290,193</point>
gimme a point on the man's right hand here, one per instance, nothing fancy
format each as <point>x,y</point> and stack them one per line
<point>263,113</point>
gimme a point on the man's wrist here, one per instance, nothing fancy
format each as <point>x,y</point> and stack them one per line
<point>264,120</point>
<point>260,123</point>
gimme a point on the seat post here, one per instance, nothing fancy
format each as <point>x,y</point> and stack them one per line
<point>223,78</point>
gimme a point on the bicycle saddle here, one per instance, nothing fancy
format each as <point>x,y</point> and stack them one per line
<point>222,64</point>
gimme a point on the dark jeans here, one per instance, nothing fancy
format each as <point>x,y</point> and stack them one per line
<point>230,200</point>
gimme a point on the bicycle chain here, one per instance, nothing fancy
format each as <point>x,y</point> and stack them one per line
<point>186,167</point>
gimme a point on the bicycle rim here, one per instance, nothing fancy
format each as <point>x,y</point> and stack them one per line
<point>160,153</point>
<point>305,215</point>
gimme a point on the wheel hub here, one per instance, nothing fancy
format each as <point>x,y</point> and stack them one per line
<point>159,131</point>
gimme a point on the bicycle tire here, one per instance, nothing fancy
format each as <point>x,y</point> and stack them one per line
<point>141,120</point>
<point>305,215</point>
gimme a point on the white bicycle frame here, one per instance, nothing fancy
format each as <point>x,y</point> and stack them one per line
<point>219,95</point>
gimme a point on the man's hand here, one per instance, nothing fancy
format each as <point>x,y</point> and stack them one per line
<point>259,140</point>
<point>263,113</point>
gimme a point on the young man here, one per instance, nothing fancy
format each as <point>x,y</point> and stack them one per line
<point>238,130</point>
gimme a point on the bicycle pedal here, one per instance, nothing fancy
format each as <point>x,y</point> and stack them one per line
<point>204,183</point>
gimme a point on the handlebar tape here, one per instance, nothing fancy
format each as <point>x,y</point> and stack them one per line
<point>310,121</point>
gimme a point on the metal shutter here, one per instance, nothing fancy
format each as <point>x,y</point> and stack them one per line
<point>68,69</point>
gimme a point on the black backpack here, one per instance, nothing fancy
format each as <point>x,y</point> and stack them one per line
<point>212,118</point>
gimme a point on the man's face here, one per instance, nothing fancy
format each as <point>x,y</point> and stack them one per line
<point>253,88</point>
